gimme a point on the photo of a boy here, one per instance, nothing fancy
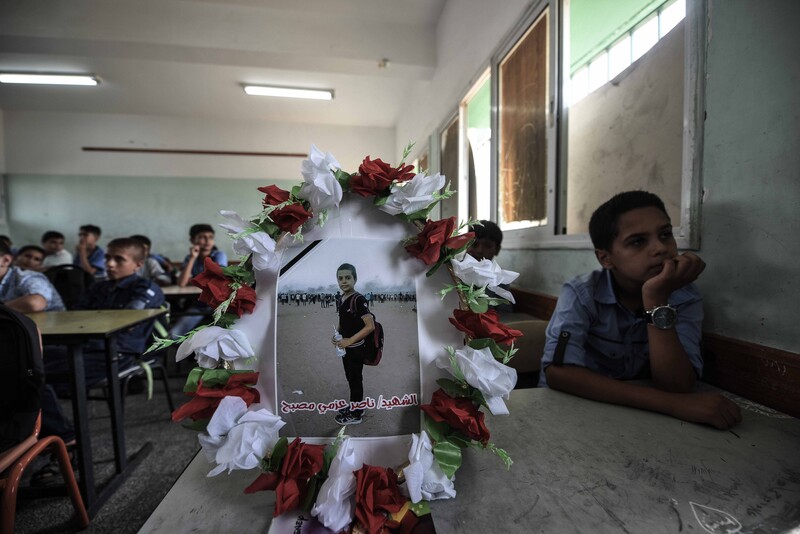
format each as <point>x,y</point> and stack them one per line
<point>355,324</point>
<point>638,318</point>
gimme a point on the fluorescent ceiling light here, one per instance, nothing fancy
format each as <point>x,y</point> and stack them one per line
<point>48,79</point>
<point>289,92</point>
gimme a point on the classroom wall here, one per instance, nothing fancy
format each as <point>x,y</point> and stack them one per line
<point>749,168</point>
<point>154,194</point>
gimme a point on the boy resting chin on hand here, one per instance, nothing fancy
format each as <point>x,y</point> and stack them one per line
<point>639,317</point>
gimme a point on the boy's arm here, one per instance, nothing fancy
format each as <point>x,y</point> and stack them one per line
<point>83,258</point>
<point>369,327</point>
<point>710,408</point>
<point>186,273</point>
<point>669,364</point>
<point>27,303</point>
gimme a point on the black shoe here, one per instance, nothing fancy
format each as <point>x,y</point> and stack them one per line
<point>349,419</point>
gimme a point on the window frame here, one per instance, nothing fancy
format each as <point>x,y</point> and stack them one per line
<point>551,235</point>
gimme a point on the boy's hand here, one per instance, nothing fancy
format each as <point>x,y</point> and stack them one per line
<point>678,272</point>
<point>194,251</point>
<point>710,408</point>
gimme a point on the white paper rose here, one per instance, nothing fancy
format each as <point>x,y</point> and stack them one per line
<point>251,239</point>
<point>212,344</point>
<point>483,372</point>
<point>321,188</point>
<point>237,438</point>
<point>335,506</point>
<point>414,195</point>
<point>484,273</point>
<point>424,478</point>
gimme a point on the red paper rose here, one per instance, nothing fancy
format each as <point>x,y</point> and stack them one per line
<point>376,496</point>
<point>290,218</point>
<point>482,325</point>
<point>216,289</point>
<point>205,400</point>
<point>460,413</point>
<point>274,195</point>
<point>434,236</point>
<point>301,463</point>
<point>375,177</point>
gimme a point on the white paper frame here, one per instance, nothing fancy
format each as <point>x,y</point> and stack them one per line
<point>358,218</point>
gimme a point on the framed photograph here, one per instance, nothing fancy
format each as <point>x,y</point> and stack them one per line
<point>303,379</point>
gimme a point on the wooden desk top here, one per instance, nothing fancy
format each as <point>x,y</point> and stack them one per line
<point>90,322</point>
<point>579,466</point>
<point>178,290</point>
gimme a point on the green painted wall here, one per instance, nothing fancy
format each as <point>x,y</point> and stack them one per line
<point>595,24</point>
<point>161,208</point>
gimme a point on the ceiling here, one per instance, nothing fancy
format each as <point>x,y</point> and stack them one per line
<point>190,57</point>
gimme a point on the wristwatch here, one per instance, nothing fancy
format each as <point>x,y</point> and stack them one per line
<point>663,317</point>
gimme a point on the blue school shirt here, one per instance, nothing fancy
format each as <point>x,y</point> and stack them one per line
<point>609,339</point>
<point>219,257</point>
<point>21,283</point>
<point>97,259</point>
<point>132,293</point>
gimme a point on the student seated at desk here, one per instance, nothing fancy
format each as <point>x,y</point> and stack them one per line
<point>639,317</point>
<point>202,239</point>
<point>123,290</point>
<point>25,291</point>
<point>29,257</point>
<point>55,253</point>
<point>88,256</point>
<point>151,269</point>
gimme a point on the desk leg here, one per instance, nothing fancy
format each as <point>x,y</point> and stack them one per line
<point>81,417</point>
<point>117,416</point>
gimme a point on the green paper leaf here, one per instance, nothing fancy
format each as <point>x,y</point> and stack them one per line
<point>420,508</point>
<point>311,493</point>
<point>454,389</point>
<point>500,354</point>
<point>227,320</point>
<point>343,178</point>
<point>459,440</point>
<point>278,452</point>
<point>241,273</point>
<point>380,200</point>
<point>406,152</point>
<point>295,191</point>
<point>199,426</point>
<point>192,380</point>
<point>502,454</point>
<point>448,456</point>
<point>479,306</point>
<point>436,430</point>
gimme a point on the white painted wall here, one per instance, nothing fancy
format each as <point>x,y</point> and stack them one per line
<point>468,33</point>
<point>50,143</point>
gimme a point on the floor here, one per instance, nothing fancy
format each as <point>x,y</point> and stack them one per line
<point>131,505</point>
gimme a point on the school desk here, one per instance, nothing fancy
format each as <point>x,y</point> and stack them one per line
<point>73,328</point>
<point>579,466</point>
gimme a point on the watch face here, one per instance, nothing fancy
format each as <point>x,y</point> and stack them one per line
<point>664,317</point>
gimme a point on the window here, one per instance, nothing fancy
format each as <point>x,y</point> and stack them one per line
<point>590,102</point>
<point>476,116</point>
<point>448,166</point>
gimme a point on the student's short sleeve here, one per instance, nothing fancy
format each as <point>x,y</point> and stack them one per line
<point>361,309</point>
<point>571,315</point>
<point>220,257</point>
<point>145,294</point>
<point>690,329</point>
<point>38,284</point>
<point>97,259</point>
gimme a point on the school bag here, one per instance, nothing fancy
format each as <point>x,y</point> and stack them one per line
<point>21,377</point>
<point>373,343</point>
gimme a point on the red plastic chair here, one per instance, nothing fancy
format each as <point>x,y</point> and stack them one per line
<point>13,463</point>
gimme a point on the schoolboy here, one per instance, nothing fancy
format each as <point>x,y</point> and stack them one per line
<point>88,256</point>
<point>55,253</point>
<point>202,239</point>
<point>124,289</point>
<point>25,291</point>
<point>639,317</point>
<point>151,269</point>
<point>29,257</point>
<point>488,240</point>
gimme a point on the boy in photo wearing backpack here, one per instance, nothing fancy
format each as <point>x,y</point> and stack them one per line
<point>356,322</point>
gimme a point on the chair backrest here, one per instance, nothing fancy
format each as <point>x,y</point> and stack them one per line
<point>70,281</point>
<point>21,377</point>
